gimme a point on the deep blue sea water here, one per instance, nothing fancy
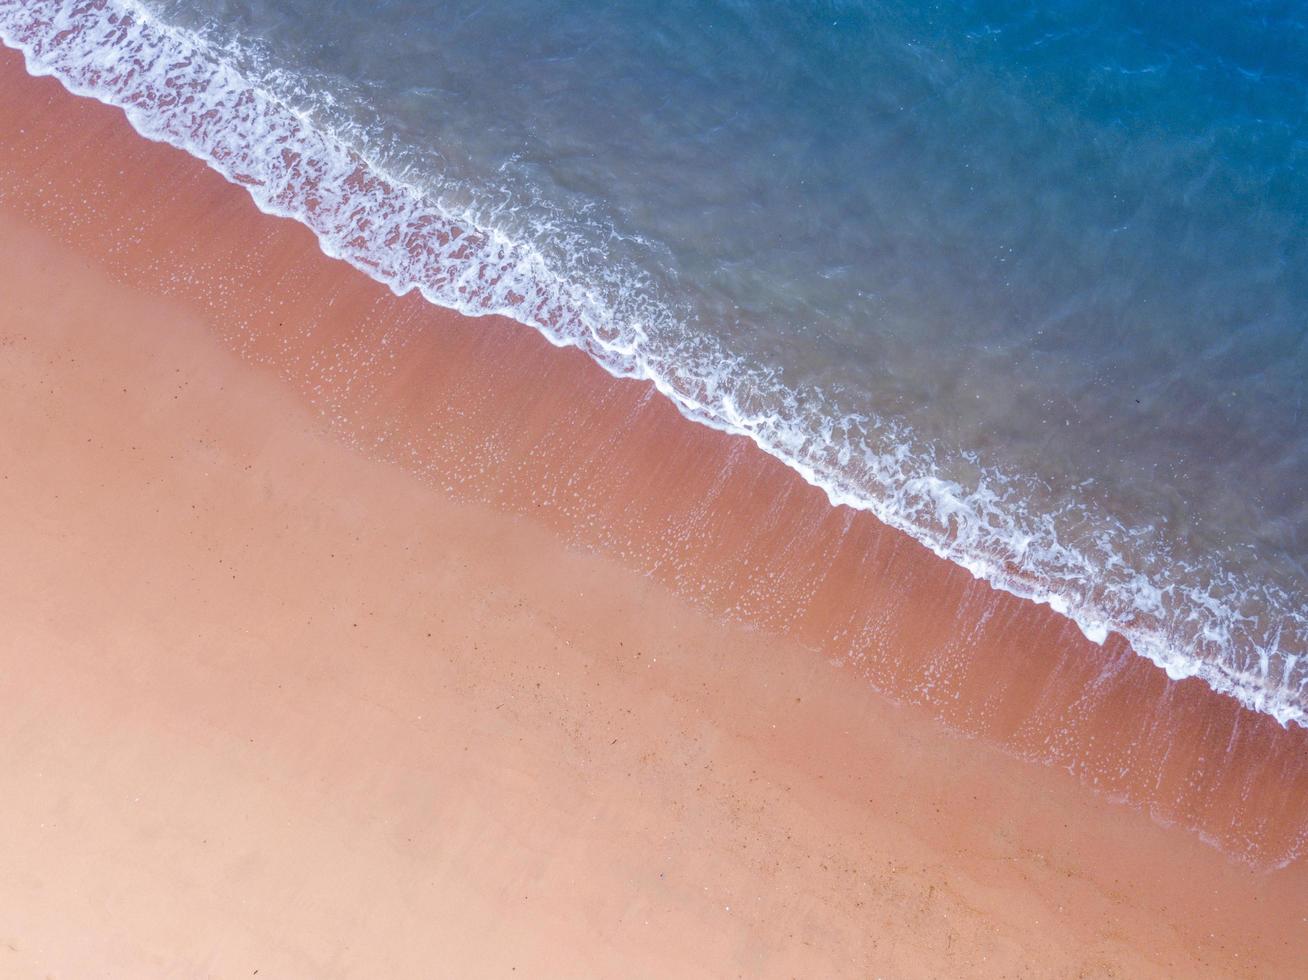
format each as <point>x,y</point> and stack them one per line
<point>1028,280</point>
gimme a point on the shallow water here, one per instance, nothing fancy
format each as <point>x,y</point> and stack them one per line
<point>1031,284</point>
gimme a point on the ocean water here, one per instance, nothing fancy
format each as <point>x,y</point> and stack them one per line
<point>1028,281</point>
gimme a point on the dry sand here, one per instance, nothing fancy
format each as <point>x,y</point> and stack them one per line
<point>342,638</point>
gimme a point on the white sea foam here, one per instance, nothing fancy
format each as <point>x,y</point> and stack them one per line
<point>1244,639</point>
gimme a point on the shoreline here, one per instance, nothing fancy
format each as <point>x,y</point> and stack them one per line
<point>489,410</point>
<point>385,228</point>
<point>535,516</point>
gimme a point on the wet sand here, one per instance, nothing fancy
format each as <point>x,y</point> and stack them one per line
<point>348,637</point>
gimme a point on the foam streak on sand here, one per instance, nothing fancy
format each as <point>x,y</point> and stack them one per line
<point>177,88</point>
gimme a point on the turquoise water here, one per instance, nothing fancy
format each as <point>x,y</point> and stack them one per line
<point>1028,281</point>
